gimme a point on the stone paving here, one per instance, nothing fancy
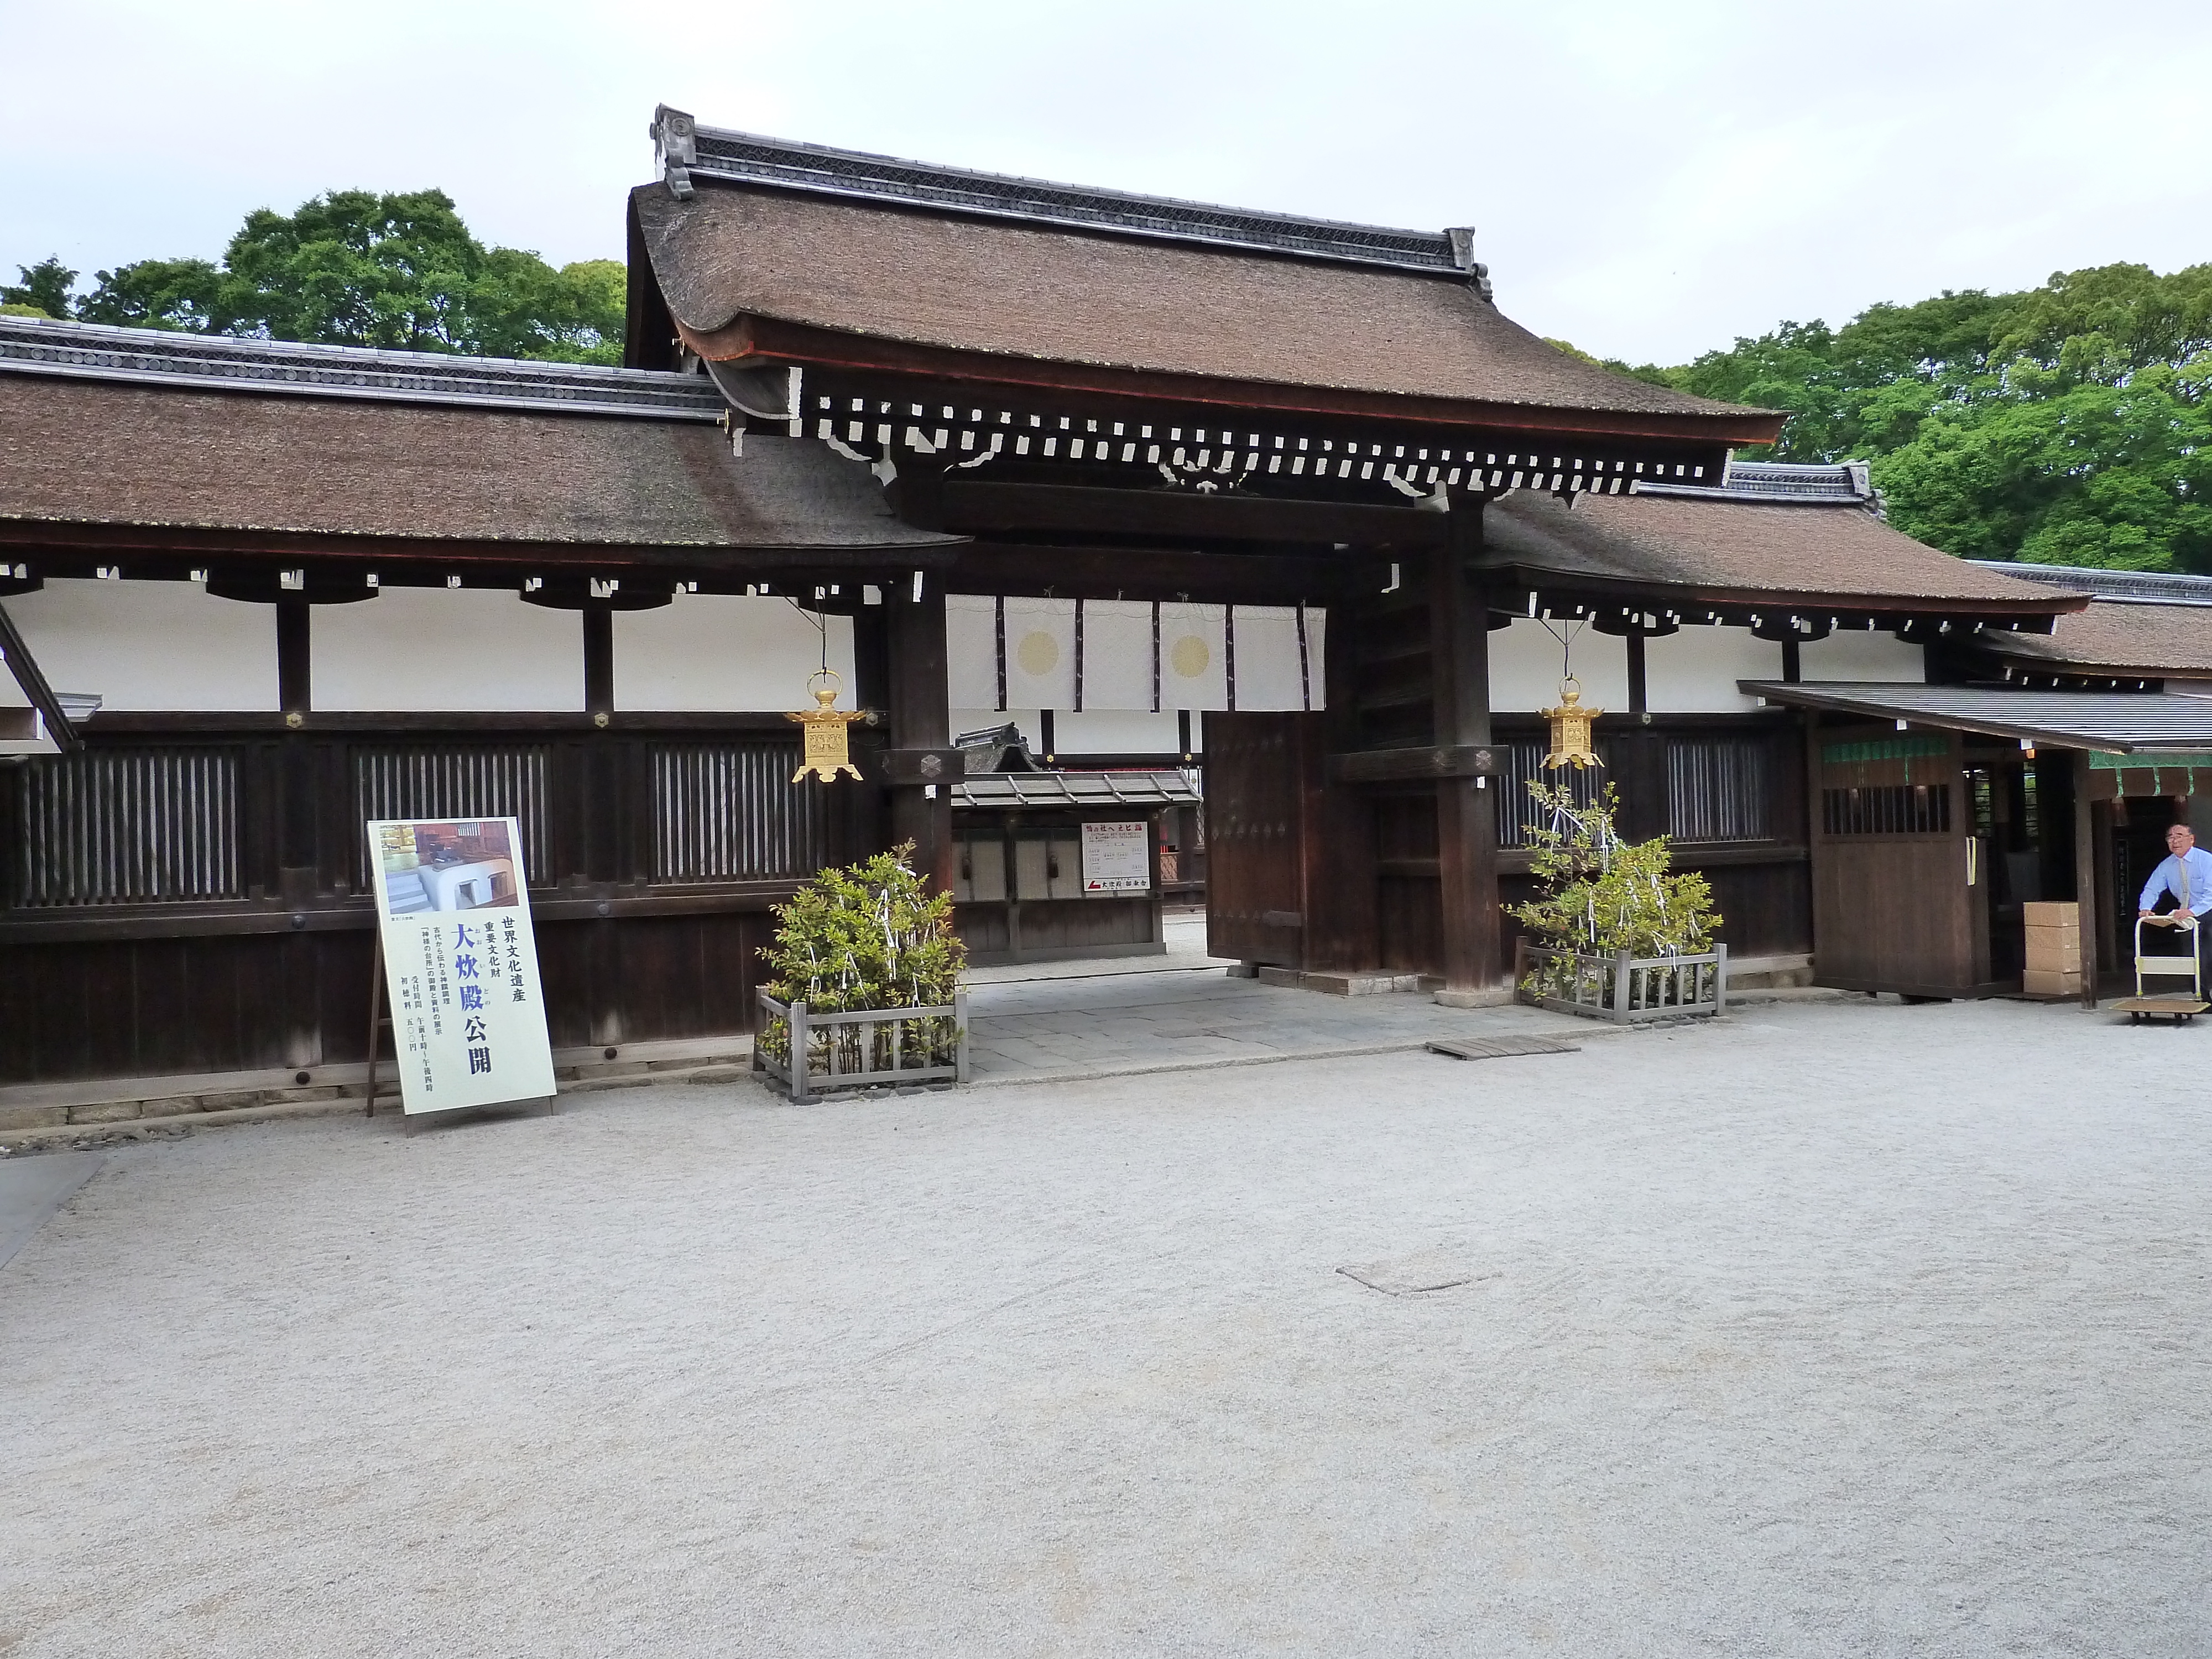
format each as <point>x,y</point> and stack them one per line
<point>1116,1025</point>
<point>1181,1010</point>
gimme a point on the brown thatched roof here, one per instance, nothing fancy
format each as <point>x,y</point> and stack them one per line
<point>84,452</point>
<point>939,261</point>
<point>1727,549</point>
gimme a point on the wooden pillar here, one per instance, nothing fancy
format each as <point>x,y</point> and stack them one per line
<point>299,859</point>
<point>1816,820</point>
<point>1466,824</point>
<point>2085,876</point>
<point>602,808</point>
<point>1639,695</point>
<point>872,657</point>
<point>295,661</point>
<point>598,659</point>
<point>920,721</point>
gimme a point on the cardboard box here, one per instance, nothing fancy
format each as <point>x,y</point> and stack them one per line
<point>2053,947</point>
<point>2043,913</point>
<point>2042,983</point>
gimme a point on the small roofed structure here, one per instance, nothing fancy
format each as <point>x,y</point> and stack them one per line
<point>2138,631</point>
<point>1803,549</point>
<point>1056,865</point>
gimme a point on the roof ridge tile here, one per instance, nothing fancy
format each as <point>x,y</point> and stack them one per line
<point>714,153</point>
<point>37,345</point>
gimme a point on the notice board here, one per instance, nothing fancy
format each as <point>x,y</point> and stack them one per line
<point>461,963</point>
<point>1117,857</point>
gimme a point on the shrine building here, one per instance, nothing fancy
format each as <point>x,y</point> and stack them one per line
<point>1098,505</point>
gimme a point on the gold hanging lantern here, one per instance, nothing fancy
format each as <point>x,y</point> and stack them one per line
<point>828,753</point>
<point>1572,743</point>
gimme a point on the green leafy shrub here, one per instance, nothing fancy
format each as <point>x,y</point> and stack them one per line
<point>1598,896</point>
<point>868,936</point>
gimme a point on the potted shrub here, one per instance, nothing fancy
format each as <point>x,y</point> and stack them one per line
<point>865,985</point>
<point>1618,934</point>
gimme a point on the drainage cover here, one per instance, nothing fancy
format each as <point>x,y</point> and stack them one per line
<point>1501,1048</point>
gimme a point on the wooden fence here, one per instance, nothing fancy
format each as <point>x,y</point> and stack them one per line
<point>191,893</point>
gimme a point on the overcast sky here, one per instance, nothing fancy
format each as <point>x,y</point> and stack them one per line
<point>1649,179</point>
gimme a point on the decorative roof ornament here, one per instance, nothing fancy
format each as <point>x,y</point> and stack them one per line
<point>675,138</point>
<point>829,753</point>
<point>1572,743</point>
<point>1462,238</point>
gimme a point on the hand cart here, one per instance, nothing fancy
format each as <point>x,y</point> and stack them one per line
<point>2180,1009</point>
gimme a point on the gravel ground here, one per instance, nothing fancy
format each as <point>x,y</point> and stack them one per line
<point>1838,1329</point>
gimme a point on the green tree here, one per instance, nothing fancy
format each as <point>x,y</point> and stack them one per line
<point>2066,424</point>
<point>183,295</point>
<point>44,288</point>
<point>395,270</point>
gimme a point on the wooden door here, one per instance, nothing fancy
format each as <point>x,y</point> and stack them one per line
<point>1255,837</point>
<point>1901,881</point>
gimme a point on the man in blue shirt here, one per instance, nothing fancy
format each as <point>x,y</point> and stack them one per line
<point>2185,872</point>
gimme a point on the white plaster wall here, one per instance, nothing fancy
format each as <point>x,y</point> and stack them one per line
<point>1524,667</point>
<point>710,653</point>
<point>436,650</point>
<point>1694,671</point>
<point>147,646</point>
<point>1119,732</point>
<point>1863,656</point>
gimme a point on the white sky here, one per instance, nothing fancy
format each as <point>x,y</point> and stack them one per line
<point>1649,180</point>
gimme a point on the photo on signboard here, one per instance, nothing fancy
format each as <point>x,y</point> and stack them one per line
<point>465,864</point>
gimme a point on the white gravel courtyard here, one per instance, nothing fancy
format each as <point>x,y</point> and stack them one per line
<point>1837,1329</point>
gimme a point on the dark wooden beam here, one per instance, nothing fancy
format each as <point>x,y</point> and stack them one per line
<point>1412,765</point>
<point>175,550</point>
<point>183,727</point>
<point>974,507</point>
<point>1263,574</point>
<point>1734,605</point>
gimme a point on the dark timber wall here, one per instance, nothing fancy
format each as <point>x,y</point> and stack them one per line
<point>1310,873</point>
<point>190,894</point>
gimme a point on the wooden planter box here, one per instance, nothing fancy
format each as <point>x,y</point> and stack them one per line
<point>865,1049</point>
<point>1626,988</point>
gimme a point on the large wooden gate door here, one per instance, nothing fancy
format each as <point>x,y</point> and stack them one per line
<point>1899,879</point>
<point>1255,836</point>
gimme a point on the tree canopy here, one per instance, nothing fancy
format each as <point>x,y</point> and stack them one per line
<point>2068,424</point>
<point>42,289</point>
<point>399,270</point>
